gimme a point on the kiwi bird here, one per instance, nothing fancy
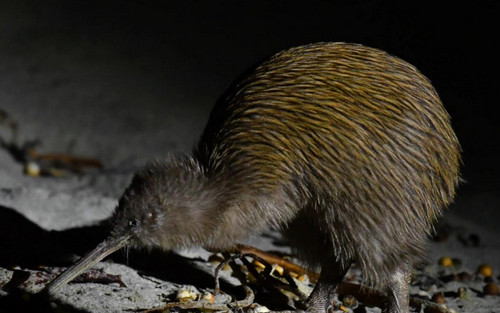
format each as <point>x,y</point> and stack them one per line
<point>345,148</point>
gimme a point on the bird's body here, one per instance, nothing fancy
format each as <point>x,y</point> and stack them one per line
<point>345,148</point>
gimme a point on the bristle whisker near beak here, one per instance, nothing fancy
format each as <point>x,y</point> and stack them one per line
<point>127,251</point>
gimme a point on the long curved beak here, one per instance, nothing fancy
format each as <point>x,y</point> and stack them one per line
<point>105,248</point>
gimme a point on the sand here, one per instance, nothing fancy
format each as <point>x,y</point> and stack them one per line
<point>87,79</point>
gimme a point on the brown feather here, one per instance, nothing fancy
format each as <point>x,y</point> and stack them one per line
<point>346,148</point>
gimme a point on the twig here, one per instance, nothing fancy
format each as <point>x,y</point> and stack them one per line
<point>51,164</point>
<point>275,259</point>
<point>429,306</point>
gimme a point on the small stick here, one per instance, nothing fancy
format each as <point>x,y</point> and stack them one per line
<point>67,159</point>
<point>274,259</point>
<point>429,306</point>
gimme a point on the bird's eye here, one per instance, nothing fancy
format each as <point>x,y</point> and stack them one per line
<point>134,223</point>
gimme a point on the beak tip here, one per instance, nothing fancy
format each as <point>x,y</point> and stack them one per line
<point>102,250</point>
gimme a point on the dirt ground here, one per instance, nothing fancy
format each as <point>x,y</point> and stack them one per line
<point>127,84</point>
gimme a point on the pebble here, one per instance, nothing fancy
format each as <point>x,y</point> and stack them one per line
<point>438,298</point>
<point>32,169</point>
<point>349,301</point>
<point>490,289</point>
<point>186,295</point>
<point>464,276</point>
<point>445,261</point>
<point>207,296</point>
<point>485,270</point>
<point>462,293</point>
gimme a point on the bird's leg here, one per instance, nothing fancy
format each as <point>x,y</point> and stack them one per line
<point>321,298</point>
<point>398,290</point>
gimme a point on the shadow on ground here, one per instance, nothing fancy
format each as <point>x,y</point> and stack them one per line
<point>26,245</point>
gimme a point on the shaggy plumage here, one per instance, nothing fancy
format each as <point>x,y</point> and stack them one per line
<point>356,140</point>
<point>345,148</point>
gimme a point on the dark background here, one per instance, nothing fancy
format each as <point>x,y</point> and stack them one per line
<point>188,52</point>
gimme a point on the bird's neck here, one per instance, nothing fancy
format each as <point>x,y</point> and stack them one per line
<point>221,211</point>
